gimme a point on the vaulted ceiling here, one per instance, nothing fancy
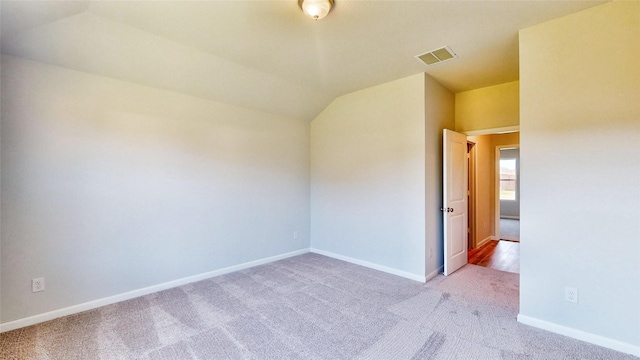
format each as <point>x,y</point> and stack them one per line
<point>266,55</point>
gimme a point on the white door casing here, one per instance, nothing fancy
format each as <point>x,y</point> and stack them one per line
<point>454,200</point>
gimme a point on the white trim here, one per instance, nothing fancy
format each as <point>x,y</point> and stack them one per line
<point>580,335</point>
<point>35,319</point>
<point>371,265</point>
<point>501,130</point>
<point>486,240</point>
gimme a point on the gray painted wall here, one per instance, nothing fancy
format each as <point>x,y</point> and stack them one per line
<point>376,183</point>
<point>368,176</point>
<point>580,151</point>
<point>109,187</point>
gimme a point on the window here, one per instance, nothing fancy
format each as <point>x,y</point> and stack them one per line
<point>507,179</point>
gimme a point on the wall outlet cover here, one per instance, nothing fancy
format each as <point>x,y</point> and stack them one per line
<point>571,295</point>
<point>37,284</point>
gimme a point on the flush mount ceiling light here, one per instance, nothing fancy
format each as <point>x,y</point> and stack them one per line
<point>315,9</point>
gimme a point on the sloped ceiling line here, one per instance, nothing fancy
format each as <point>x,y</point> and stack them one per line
<point>266,55</point>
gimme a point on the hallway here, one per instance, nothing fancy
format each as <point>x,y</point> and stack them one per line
<point>510,229</point>
<point>499,255</point>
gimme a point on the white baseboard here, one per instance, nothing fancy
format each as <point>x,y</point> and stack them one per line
<point>36,319</point>
<point>580,335</point>
<point>371,265</point>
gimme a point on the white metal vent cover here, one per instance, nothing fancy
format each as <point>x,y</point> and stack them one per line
<point>437,56</point>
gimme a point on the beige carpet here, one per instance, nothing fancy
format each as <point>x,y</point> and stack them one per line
<point>308,307</point>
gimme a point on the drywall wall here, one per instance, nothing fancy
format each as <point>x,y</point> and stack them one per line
<point>109,187</point>
<point>580,145</point>
<point>491,107</point>
<point>368,177</point>
<point>439,115</point>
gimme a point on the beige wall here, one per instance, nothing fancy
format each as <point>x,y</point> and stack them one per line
<point>486,216</point>
<point>580,151</point>
<point>491,107</point>
<point>505,139</point>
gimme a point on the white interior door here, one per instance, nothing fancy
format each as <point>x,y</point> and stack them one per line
<point>454,200</point>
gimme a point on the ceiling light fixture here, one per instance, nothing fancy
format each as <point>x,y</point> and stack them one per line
<point>315,9</point>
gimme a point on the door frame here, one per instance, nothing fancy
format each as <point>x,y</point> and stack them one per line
<point>492,131</point>
<point>472,184</point>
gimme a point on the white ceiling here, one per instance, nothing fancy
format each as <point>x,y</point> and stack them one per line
<point>266,55</point>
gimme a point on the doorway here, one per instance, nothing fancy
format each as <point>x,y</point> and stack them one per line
<point>508,192</point>
<point>471,184</point>
<point>486,225</point>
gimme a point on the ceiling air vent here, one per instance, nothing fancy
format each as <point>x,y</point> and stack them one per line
<point>438,55</point>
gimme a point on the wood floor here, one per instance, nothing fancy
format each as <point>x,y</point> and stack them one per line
<point>500,255</point>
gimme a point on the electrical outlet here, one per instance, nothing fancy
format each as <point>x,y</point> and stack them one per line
<point>37,284</point>
<point>571,295</point>
<point>296,235</point>
<point>430,253</point>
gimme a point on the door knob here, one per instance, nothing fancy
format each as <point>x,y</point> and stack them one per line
<point>447,209</point>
